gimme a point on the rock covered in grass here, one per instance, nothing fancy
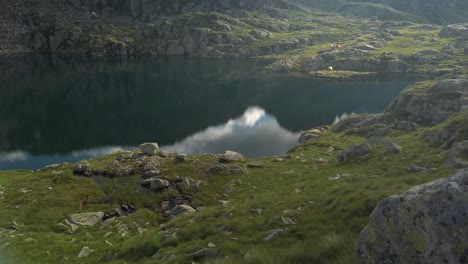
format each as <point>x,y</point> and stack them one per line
<point>231,156</point>
<point>427,224</point>
<point>358,150</point>
<point>149,148</point>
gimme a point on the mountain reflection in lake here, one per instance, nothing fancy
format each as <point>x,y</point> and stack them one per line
<point>53,108</point>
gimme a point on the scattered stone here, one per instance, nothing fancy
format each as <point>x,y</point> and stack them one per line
<point>30,239</point>
<point>151,165</point>
<point>334,178</point>
<point>255,165</point>
<point>287,220</point>
<point>107,223</point>
<point>223,202</point>
<point>218,168</point>
<point>359,150</point>
<point>406,126</point>
<point>155,184</point>
<point>109,243</point>
<point>205,253</point>
<point>278,159</point>
<point>86,219</point>
<point>181,157</point>
<point>456,163</point>
<point>151,174</point>
<point>308,136</point>
<point>181,209</point>
<point>257,211</point>
<point>415,168</point>
<point>211,245</point>
<point>273,233</point>
<point>393,148</point>
<point>85,251</point>
<point>424,225</point>
<point>106,235</point>
<point>149,148</point>
<point>190,184</point>
<point>231,156</point>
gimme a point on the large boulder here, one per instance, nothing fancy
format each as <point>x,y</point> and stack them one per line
<point>231,156</point>
<point>427,224</point>
<point>149,148</point>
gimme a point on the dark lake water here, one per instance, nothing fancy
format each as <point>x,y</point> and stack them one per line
<point>54,110</point>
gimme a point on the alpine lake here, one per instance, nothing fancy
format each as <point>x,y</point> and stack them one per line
<point>55,110</point>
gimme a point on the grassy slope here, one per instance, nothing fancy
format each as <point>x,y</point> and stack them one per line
<point>329,214</point>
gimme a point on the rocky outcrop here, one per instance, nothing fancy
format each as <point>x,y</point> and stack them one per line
<point>455,31</point>
<point>424,225</point>
<point>431,102</point>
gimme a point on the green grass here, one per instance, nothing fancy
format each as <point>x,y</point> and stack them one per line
<point>328,214</point>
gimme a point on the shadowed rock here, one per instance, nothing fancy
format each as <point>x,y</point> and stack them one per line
<point>427,224</point>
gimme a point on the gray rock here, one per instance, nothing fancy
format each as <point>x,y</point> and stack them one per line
<point>85,251</point>
<point>454,31</point>
<point>205,253</point>
<point>393,148</point>
<point>254,165</point>
<point>257,211</point>
<point>355,151</point>
<point>151,174</point>
<point>424,225</point>
<point>86,219</point>
<point>181,157</point>
<point>190,184</point>
<point>415,168</point>
<point>273,234</point>
<point>155,184</point>
<point>287,220</point>
<point>405,126</point>
<point>432,104</point>
<point>307,136</point>
<point>231,156</point>
<point>181,209</point>
<point>149,148</point>
<point>218,168</point>
<point>456,163</point>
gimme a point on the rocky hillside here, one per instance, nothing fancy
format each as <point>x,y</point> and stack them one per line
<point>308,36</point>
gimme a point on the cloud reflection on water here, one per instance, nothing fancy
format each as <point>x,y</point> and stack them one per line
<point>253,134</point>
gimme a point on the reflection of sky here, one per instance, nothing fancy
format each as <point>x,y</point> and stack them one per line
<point>255,133</point>
<point>23,160</point>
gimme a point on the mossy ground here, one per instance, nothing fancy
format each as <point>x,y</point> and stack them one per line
<point>329,214</point>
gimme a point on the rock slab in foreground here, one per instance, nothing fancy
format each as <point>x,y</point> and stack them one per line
<point>86,219</point>
<point>427,224</point>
